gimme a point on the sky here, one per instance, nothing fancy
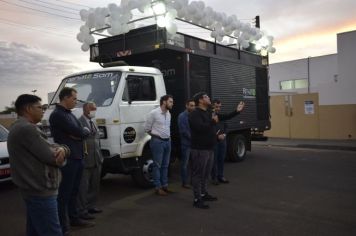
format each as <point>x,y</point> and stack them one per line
<point>38,44</point>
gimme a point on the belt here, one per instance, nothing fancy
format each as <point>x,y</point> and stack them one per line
<point>163,139</point>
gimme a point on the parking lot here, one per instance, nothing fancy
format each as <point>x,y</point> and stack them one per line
<point>276,191</point>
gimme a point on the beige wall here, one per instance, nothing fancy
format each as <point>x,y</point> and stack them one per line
<point>338,122</point>
<point>304,125</point>
<point>280,121</point>
<point>288,118</point>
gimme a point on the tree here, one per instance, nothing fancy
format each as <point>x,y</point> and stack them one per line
<point>9,109</point>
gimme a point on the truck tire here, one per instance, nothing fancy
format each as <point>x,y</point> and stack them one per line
<point>143,175</point>
<point>237,148</point>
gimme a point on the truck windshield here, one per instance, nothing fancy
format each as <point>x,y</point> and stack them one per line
<point>98,87</point>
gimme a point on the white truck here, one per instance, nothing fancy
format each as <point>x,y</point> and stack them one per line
<point>125,94</point>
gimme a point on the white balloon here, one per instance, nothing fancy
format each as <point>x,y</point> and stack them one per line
<point>161,21</point>
<point>213,34</point>
<point>84,29</point>
<point>91,20</point>
<point>85,47</point>
<point>148,10</point>
<point>89,39</point>
<point>171,29</point>
<point>177,5</point>
<point>105,12</point>
<point>191,9</point>
<point>219,39</point>
<point>272,50</point>
<point>112,7</point>
<point>245,44</point>
<point>181,13</point>
<point>80,37</point>
<point>84,14</point>
<point>237,33</point>
<point>172,13</point>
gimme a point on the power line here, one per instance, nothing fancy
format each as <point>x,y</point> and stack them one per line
<point>69,33</point>
<point>52,8</point>
<point>72,3</point>
<point>51,33</point>
<point>46,12</point>
<point>58,5</point>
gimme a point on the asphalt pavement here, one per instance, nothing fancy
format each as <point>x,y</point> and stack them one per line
<point>277,191</point>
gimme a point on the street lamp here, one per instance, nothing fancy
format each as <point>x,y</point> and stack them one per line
<point>34,91</point>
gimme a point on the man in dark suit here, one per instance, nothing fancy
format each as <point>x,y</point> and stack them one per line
<point>90,182</point>
<point>66,129</point>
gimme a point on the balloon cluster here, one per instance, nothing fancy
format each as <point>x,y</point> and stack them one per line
<point>116,19</point>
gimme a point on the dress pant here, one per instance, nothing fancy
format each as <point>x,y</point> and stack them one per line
<point>219,159</point>
<point>89,189</point>
<point>68,192</point>
<point>185,153</point>
<point>201,165</point>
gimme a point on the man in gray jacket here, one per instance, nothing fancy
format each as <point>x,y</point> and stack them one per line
<point>35,167</point>
<point>90,182</point>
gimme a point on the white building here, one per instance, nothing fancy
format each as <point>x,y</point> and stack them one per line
<point>324,85</point>
<point>333,76</point>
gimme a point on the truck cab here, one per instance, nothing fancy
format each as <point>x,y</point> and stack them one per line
<point>124,95</point>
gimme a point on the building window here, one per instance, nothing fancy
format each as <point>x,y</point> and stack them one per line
<point>293,84</point>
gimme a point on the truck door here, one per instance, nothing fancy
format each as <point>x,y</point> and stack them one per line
<point>138,99</point>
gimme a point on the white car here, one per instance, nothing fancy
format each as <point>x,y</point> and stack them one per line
<point>4,156</point>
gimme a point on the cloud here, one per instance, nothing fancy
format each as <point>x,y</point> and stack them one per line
<point>22,65</point>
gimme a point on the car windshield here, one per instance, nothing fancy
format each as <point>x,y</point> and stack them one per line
<point>3,134</point>
<point>98,87</point>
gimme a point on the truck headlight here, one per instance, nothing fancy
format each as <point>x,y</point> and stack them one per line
<point>102,132</point>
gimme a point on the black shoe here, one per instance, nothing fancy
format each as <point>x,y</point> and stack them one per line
<point>200,204</point>
<point>94,210</point>
<point>167,190</point>
<point>81,223</point>
<point>208,197</point>
<point>224,181</point>
<point>215,182</point>
<point>67,233</point>
<point>186,186</point>
<point>87,216</point>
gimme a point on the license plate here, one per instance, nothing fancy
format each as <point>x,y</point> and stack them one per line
<point>5,171</point>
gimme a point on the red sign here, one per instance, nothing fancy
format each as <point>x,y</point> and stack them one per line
<point>123,53</point>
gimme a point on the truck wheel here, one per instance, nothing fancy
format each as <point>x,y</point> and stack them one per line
<point>237,148</point>
<point>143,175</point>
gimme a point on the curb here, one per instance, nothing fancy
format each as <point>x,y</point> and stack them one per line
<point>329,147</point>
<point>312,146</point>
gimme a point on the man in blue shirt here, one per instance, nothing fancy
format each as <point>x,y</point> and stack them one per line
<point>66,129</point>
<point>184,131</point>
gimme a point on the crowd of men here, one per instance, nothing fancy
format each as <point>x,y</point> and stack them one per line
<point>60,180</point>
<point>203,144</point>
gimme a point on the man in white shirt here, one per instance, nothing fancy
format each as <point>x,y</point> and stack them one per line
<point>158,126</point>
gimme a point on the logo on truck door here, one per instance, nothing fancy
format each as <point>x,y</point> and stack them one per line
<point>129,135</point>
